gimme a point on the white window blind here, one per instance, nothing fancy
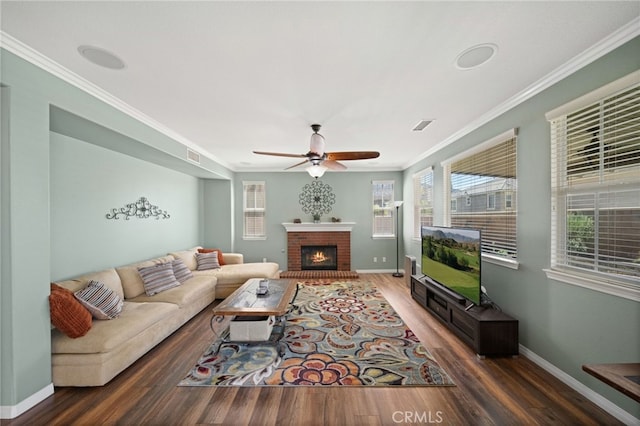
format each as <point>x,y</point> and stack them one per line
<point>595,179</point>
<point>422,200</point>
<point>383,210</point>
<point>481,190</point>
<point>254,197</point>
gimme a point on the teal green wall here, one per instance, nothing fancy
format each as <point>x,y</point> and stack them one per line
<point>218,214</point>
<point>52,135</point>
<point>87,181</point>
<point>26,359</point>
<point>353,204</point>
<point>566,325</point>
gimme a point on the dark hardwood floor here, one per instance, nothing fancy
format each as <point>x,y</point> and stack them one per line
<point>498,391</point>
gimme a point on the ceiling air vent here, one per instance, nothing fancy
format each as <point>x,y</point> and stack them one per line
<point>421,125</point>
<point>193,156</point>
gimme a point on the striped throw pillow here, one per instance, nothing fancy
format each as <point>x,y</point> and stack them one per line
<point>207,261</point>
<point>100,300</point>
<point>181,271</point>
<point>158,278</point>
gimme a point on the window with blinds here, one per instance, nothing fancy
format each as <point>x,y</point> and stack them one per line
<point>481,187</point>
<point>383,214</point>
<point>422,201</point>
<point>595,179</point>
<point>254,210</point>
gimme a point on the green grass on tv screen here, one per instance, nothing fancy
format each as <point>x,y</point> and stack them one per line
<point>463,282</point>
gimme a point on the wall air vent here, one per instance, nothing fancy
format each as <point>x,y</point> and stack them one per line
<point>193,156</point>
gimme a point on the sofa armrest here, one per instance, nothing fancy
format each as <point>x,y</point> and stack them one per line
<point>233,258</point>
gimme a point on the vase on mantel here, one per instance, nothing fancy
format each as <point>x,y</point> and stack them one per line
<point>316,218</point>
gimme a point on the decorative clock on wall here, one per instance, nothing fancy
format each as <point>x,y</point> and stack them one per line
<point>317,198</point>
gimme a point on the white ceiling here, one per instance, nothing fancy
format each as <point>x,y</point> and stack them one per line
<point>231,77</point>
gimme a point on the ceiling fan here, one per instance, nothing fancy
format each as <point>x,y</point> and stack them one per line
<point>321,160</point>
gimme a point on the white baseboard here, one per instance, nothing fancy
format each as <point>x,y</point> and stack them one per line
<point>596,398</point>
<point>13,411</point>
<point>377,271</point>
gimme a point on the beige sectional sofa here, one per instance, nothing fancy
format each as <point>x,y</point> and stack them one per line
<point>110,346</point>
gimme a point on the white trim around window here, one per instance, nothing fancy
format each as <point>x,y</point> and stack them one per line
<point>383,210</point>
<point>253,210</point>
<point>422,201</point>
<point>595,190</point>
<point>480,191</point>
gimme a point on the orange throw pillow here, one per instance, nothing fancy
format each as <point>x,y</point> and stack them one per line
<point>67,314</point>
<point>220,257</point>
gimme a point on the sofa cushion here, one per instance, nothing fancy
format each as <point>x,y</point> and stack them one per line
<point>158,278</point>
<point>240,273</point>
<point>67,314</point>
<point>105,336</point>
<point>100,300</point>
<point>109,277</point>
<point>191,290</point>
<point>181,271</point>
<point>233,258</point>
<point>132,283</point>
<point>211,250</point>
<point>187,256</point>
<point>207,261</point>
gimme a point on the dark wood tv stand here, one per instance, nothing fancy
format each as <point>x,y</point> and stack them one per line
<point>488,331</point>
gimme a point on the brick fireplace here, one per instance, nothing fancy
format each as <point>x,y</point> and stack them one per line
<point>318,234</point>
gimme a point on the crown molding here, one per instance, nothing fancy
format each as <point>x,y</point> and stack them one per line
<point>604,46</point>
<point>36,58</point>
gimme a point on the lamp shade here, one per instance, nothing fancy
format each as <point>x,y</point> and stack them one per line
<point>316,170</point>
<point>397,203</point>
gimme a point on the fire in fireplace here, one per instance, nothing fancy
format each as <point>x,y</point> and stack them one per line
<point>319,257</point>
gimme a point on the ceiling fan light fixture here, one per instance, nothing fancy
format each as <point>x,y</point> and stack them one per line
<point>316,145</point>
<point>316,170</point>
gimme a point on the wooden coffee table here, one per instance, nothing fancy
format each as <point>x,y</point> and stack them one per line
<point>246,302</point>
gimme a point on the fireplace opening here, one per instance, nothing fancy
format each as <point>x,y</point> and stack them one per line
<point>319,258</point>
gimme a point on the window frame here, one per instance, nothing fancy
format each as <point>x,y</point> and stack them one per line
<point>563,189</point>
<point>423,176</point>
<point>504,137</point>
<point>491,201</point>
<point>248,210</point>
<point>389,208</point>
<point>508,200</point>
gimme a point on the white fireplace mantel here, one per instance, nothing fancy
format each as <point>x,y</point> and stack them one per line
<point>319,227</point>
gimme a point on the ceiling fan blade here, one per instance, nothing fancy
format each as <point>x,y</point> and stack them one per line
<point>296,165</point>
<point>333,165</point>
<point>352,155</point>
<point>279,154</point>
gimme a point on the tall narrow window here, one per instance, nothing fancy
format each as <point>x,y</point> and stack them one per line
<point>254,210</point>
<point>481,187</point>
<point>383,210</point>
<point>422,200</point>
<point>595,183</point>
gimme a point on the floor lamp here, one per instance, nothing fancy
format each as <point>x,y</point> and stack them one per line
<point>397,273</point>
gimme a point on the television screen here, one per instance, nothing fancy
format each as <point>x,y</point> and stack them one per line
<point>451,257</point>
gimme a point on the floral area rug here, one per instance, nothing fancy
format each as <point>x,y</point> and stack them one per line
<point>337,333</point>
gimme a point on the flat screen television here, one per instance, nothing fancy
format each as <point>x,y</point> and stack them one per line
<point>452,257</point>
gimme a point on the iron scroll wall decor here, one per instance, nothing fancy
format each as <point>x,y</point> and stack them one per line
<point>317,198</point>
<point>142,209</point>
